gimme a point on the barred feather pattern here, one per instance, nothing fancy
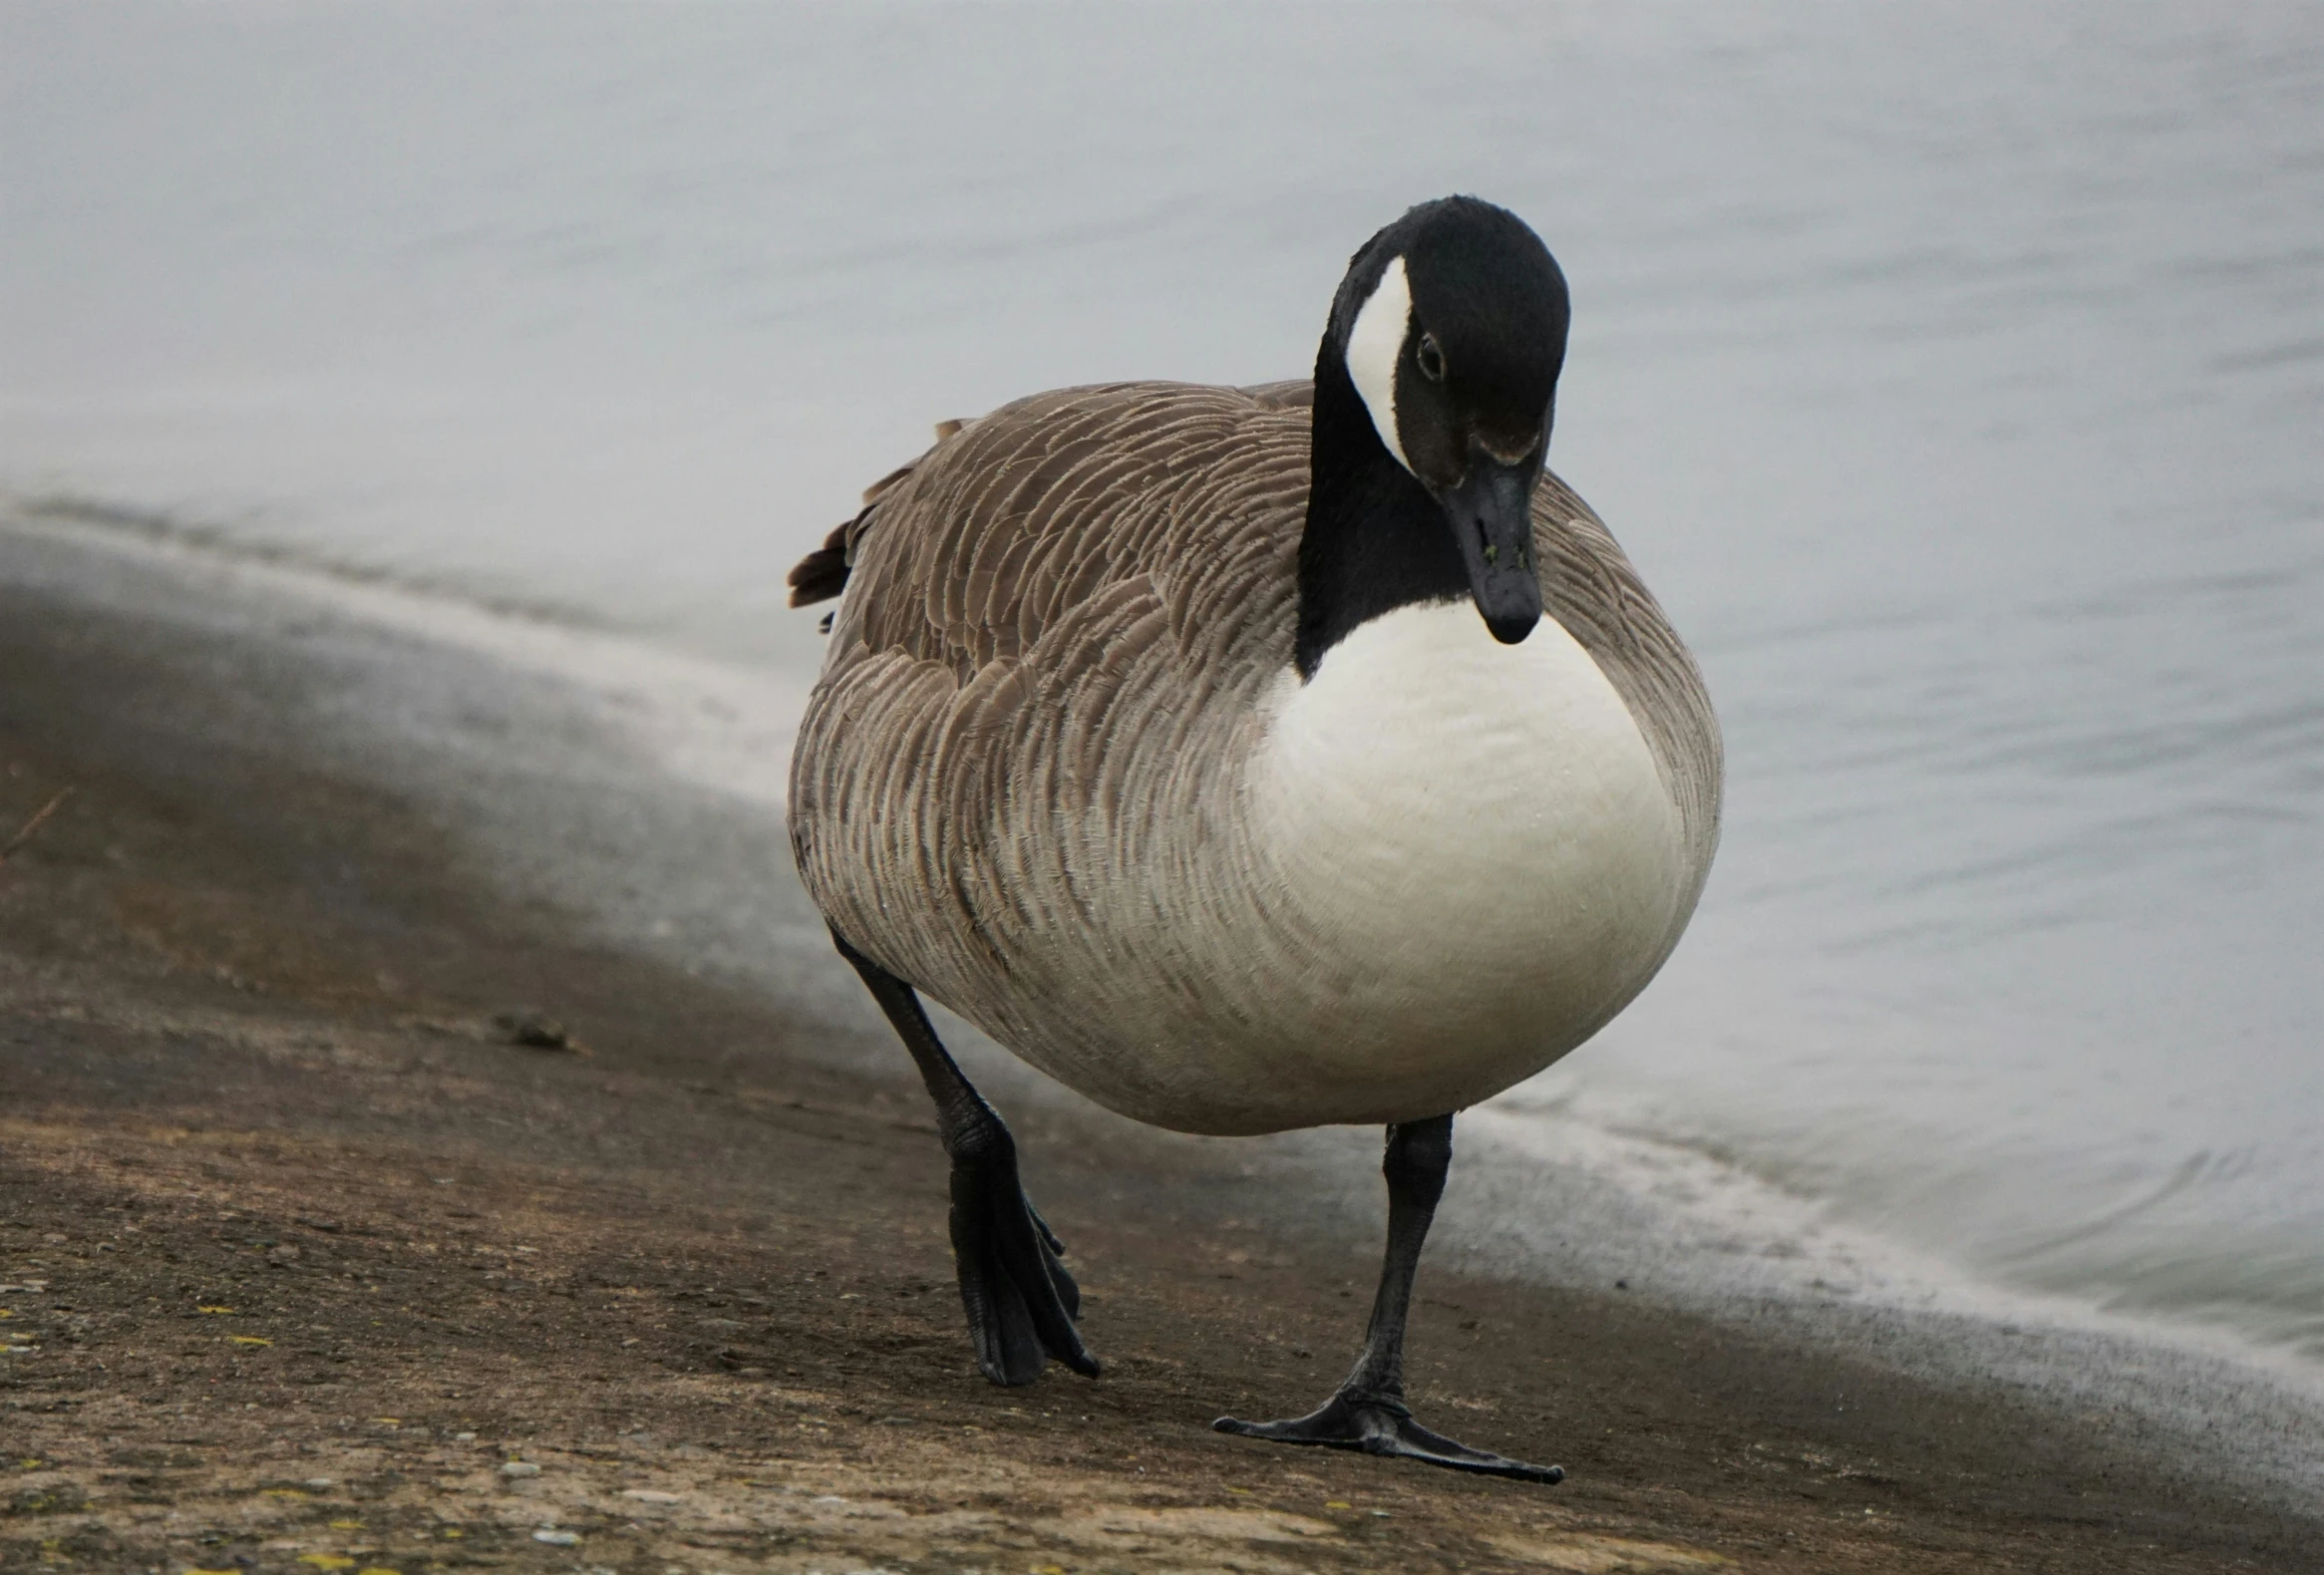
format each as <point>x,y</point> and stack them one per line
<point>1021,781</point>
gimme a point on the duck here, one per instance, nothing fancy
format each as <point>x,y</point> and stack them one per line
<point>1255,758</point>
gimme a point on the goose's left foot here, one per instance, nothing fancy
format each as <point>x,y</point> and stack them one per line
<point>1382,1425</point>
<point>1368,1412</point>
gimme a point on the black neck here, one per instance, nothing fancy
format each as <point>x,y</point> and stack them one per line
<point>1374,539</point>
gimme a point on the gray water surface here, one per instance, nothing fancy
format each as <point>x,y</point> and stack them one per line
<point>1955,374</point>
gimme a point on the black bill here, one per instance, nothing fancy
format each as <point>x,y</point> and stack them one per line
<point>1491,515</point>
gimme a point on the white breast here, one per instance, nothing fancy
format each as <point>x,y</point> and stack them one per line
<point>1474,851</point>
<point>1411,881</point>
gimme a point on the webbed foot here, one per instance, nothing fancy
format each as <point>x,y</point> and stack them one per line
<point>1020,1300</point>
<point>1381,1425</point>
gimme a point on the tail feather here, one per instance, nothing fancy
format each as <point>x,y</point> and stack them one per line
<point>823,573</point>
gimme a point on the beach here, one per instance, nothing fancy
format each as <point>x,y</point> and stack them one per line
<point>370,1204</point>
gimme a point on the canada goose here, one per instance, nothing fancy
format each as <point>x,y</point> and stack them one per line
<point>1161,737</point>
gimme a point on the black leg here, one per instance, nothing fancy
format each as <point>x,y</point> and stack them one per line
<point>1368,1412</point>
<point>1021,1302</point>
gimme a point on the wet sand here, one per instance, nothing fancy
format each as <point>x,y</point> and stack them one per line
<point>310,1263</point>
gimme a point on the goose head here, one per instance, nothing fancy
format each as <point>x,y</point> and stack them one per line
<point>1450,332</point>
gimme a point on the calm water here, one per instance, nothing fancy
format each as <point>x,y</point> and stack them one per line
<point>1956,375</point>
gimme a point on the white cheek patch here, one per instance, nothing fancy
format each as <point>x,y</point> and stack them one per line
<point>1376,344</point>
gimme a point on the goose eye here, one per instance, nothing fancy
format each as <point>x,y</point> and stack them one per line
<point>1431,359</point>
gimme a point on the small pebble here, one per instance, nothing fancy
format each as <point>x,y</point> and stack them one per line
<point>519,1468</point>
<point>534,1029</point>
<point>557,1539</point>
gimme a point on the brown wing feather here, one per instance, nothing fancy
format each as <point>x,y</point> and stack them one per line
<point>1032,608</point>
<point>992,539</point>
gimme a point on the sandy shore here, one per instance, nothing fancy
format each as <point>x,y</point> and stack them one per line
<point>308,1263</point>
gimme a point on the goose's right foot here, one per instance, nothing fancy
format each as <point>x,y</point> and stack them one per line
<point>1021,1302</point>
